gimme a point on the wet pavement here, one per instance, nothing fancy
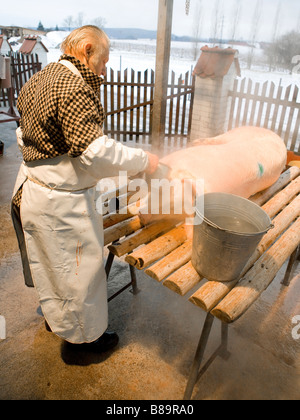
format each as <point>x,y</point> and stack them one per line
<point>159,333</point>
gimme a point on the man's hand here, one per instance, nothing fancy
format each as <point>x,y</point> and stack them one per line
<point>152,164</point>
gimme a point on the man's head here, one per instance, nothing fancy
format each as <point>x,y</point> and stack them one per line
<point>90,45</point>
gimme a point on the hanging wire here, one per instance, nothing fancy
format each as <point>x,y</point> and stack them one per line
<point>187,7</point>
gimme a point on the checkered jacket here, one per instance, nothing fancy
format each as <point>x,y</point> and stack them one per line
<point>60,112</point>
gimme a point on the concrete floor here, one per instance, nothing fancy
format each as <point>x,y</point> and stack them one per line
<point>159,333</point>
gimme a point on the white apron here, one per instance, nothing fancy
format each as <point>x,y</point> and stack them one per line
<point>64,234</point>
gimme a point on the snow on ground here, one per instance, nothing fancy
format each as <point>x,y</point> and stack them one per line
<point>140,56</point>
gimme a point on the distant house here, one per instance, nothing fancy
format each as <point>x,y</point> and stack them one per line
<point>5,47</point>
<point>33,45</point>
<point>18,31</point>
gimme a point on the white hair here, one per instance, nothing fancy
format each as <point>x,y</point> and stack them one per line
<point>74,43</point>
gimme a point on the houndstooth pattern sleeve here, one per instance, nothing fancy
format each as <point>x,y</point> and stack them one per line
<point>81,120</point>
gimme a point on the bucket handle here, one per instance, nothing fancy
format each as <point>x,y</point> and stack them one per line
<point>212,224</point>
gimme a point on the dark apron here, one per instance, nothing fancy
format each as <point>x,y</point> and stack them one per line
<point>16,218</point>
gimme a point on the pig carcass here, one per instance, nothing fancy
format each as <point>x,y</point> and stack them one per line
<point>242,162</point>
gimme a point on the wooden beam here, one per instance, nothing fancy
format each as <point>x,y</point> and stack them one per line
<point>163,50</point>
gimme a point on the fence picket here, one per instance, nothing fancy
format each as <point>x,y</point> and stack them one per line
<point>184,105</point>
<point>281,111</point>
<point>171,106</point>
<point>132,102</point>
<point>21,71</point>
<point>270,105</point>
<point>119,105</point>
<point>137,92</point>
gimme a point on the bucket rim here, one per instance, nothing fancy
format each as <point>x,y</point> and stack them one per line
<point>250,234</point>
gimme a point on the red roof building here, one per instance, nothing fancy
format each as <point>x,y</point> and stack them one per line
<point>33,45</point>
<point>30,44</point>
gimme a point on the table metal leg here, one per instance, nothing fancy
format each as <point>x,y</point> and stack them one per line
<point>135,289</point>
<point>293,258</point>
<point>222,351</point>
<point>199,356</point>
<point>133,280</point>
<point>109,264</point>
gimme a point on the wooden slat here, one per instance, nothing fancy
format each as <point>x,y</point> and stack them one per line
<point>119,94</point>
<point>158,248</point>
<point>233,94</point>
<point>284,111</point>
<point>172,262</point>
<point>247,104</point>
<point>145,96</point>
<point>276,109</point>
<point>113,219</point>
<point>296,134</point>
<point>112,101</point>
<point>178,104</point>
<point>139,76</point>
<point>255,102</point>
<point>275,205</point>
<point>152,98</point>
<point>132,101</point>
<point>184,105</point>
<point>122,229</point>
<point>125,99</point>
<point>262,197</point>
<point>183,280</point>
<point>211,293</point>
<point>256,281</point>
<point>144,236</point>
<point>261,105</point>
<point>240,101</point>
<point>171,106</point>
<point>270,105</point>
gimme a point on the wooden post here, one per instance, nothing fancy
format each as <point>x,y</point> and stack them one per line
<point>163,49</point>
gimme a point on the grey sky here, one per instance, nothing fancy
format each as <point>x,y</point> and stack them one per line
<point>143,14</point>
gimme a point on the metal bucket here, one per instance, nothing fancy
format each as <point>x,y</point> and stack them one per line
<point>230,231</point>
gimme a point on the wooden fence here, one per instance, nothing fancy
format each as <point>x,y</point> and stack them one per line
<point>23,67</point>
<point>267,105</point>
<point>128,100</point>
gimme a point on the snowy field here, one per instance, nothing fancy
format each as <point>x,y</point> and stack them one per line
<point>140,56</point>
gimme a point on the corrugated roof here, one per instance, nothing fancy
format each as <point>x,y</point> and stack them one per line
<point>29,44</point>
<point>216,62</point>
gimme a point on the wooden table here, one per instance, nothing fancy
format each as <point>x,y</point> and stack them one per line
<point>163,250</point>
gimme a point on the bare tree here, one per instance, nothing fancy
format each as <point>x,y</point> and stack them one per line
<point>275,32</point>
<point>198,17</point>
<point>215,19</point>
<point>235,18</point>
<point>80,19</point>
<point>100,22</point>
<point>284,49</point>
<point>298,23</point>
<point>68,22</point>
<point>256,20</point>
<point>218,20</point>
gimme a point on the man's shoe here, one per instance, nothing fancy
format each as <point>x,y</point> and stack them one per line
<point>106,342</point>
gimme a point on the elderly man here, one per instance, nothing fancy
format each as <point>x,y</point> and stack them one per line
<point>65,154</point>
